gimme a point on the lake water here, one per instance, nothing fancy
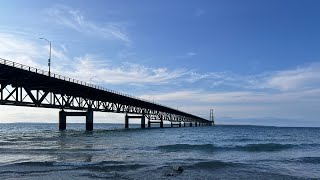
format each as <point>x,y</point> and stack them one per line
<point>41,151</point>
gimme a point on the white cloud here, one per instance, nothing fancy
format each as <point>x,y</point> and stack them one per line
<point>31,53</point>
<point>301,106</point>
<point>64,48</point>
<point>20,50</point>
<point>75,20</point>
<point>186,55</point>
<point>199,12</point>
<point>126,73</point>
<point>191,54</point>
<point>208,97</point>
<point>300,78</point>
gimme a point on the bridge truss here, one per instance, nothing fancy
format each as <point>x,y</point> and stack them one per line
<point>22,85</point>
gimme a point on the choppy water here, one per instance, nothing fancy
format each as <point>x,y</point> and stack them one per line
<point>40,151</point>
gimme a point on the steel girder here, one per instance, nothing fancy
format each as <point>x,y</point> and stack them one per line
<point>22,96</point>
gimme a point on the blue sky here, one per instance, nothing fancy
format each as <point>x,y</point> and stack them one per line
<point>252,61</point>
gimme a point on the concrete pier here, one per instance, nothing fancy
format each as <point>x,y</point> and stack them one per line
<point>155,122</point>
<point>127,117</point>
<point>89,120</point>
<point>191,124</point>
<point>175,124</point>
<point>126,122</point>
<point>63,119</point>
<point>143,122</point>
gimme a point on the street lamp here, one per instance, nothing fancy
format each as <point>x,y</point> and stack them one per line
<point>49,60</point>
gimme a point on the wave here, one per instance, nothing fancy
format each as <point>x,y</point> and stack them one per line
<point>187,147</point>
<point>212,164</point>
<point>309,160</point>
<point>262,147</point>
<point>267,147</point>
<point>46,163</point>
<point>3,143</point>
<point>107,166</point>
<point>242,140</point>
<point>71,164</point>
<point>103,166</point>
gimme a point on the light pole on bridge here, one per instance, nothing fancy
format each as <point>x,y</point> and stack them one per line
<point>49,60</point>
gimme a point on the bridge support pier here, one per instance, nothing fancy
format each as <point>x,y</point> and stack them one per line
<point>184,124</point>
<point>175,124</point>
<point>191,124</point>
<point>126,121</point>
<point>195,124</point>
<point>155,122</point>
<point>62,120</point>
<point>89,120</point>
<point>143,122</point>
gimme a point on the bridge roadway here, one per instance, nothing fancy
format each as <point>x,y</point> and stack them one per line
<point>22,85</point>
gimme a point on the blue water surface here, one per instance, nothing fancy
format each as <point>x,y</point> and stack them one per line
<point>41,151</point>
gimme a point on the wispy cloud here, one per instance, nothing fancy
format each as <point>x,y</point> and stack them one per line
<point>191,54</point>
<point>19,50</point>
<point>186,55</point>
<point>125,73</point>
<point>34,53</point>
<point>199,12</point>
<point>292,94</point>
<point>305,77</point>
<point>75,20</point>
<point>301,105</point>
<point>301,78</point>
<point>227,97</point>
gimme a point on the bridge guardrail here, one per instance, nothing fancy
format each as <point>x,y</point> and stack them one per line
<point>57,76</point>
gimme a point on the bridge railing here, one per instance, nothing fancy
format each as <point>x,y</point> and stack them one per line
<point>57,76</point>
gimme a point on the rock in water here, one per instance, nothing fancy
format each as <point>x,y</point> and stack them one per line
<point>169,174</point>
<point>179,169</point>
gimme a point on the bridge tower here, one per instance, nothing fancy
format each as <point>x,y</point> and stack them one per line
<point>211,117</point>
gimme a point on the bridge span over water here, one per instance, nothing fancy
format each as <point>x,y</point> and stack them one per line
<point>22,85</point>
